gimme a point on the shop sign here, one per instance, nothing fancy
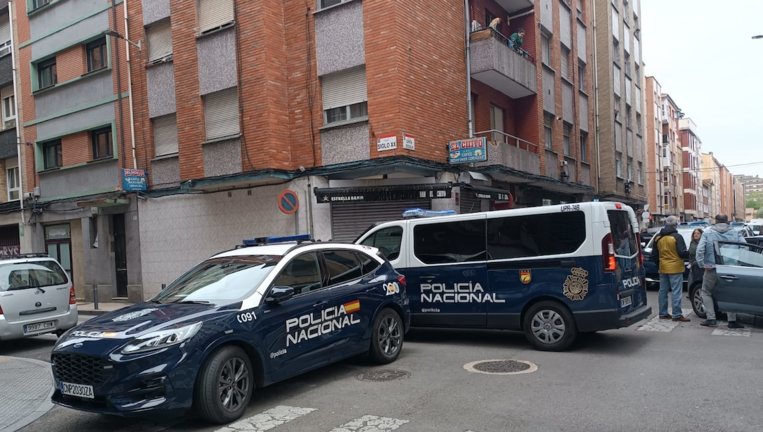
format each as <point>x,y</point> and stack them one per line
<point>134,180</point>
<point>383,193</point>
<point>7,251</point>
<point>468,150</point>
<point>57,232</point>
<point>386,142</point>
<point>409,142</point>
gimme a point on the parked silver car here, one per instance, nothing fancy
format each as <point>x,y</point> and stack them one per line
<point>36,297</point>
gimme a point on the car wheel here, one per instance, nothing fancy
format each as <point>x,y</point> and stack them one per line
<point>387,339</point>
<point>549,326</point>
<point>697,304</point>
<point>224,386</point>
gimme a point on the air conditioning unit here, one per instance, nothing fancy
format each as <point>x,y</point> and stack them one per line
<point>5,50</point>
<point>10,124</point>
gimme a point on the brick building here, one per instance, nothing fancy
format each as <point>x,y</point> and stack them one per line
<point>692,169</point>
<point>740,201</point>
<point>672,159</point>
<point>711,177</point>
<point>751,183</point>
<point>657,188</point>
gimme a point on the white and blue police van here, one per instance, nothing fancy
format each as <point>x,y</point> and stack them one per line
<point>553,272</point>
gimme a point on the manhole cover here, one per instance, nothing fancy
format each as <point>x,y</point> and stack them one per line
<point>501,367</point>
<point>384,375</point>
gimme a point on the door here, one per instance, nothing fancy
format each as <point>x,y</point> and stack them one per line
<point>120,254</point>
<point>58,245</point>
<point>740,277</point>
<point>299,332</point>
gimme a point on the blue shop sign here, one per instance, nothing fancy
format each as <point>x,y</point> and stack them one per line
<point>468,150</point>
<point>134,180</point>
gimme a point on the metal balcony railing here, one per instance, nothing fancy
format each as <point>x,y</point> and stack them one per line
<point>504,138</point>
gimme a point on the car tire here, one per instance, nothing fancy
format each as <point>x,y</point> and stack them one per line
<point>387,337</point>
<point>697,304</point>
<point>549,326</point>
<point>229,366</point>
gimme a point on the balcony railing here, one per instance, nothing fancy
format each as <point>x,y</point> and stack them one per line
<point>504,138</point>
<point>478,27</point>
<point>511,151</point>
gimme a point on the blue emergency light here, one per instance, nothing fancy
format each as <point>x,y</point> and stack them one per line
<point>421,213</point>
<point>735,224</point>
<point>279,239</point>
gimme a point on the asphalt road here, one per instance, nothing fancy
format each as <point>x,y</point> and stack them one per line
<point>659,378</point>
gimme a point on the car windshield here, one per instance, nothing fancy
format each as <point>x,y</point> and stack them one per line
<point>26,275</point>
<point>220,280</point>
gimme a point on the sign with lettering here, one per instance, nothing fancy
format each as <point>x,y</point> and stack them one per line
<point>409,142</point>
<point>386,142</point>
<point>7,251</point>
<point>134,180</point>
<point>468,150</point>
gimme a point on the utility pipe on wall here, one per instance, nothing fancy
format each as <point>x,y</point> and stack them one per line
<point>467,26</point>
<point>129,83</point>
<point>18,116</point>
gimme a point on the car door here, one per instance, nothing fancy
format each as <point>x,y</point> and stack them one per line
<point>740,277</point>
<point>294,333</point>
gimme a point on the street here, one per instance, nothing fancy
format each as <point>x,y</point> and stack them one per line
<point>655,376</point>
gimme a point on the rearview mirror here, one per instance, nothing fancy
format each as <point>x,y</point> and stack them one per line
<point>279,294</point>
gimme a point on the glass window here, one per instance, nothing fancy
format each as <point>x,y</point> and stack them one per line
<point>336,115</point>
<point>535,235</point>
<point>387,241</point>
<point>497,116</point>
<point>220,279</point>
<point>741,255</point>
<point>622,234</point>
<point>9,111</point>
<point>102,144</point>
<point>33,274</point>
<point>39,3</point>
<point>546,49</point>
<point>302,273</point>
<point>52,154</point>
<point>581,76</point>
<point>5,48</point>
<point>329,3</point>
<point>583,148</point>
<point>13,184</point>
<point>548,131</point>
<point>47,73</point>
<point>359,110</point>
<point>450,242</point>
<point>567,145</point>
<point>96,55</point>
<point>342,266</point>
<point>367,263</point>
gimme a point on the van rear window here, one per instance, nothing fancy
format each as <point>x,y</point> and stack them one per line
<point>622,233</point>
<point>31,274</point>
<point>535,235</point>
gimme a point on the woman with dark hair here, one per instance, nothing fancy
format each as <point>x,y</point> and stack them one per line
<point>695,237</point>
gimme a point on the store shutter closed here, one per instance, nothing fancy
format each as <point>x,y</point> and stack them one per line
<point>165,135</point>
<point>159,40</point>
<point>221,113</point>
<point>344,88</point>
<point>349,220</point>
<point>214,13</point>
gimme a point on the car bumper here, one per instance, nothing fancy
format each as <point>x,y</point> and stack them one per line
<point>610,319</point>
<point>62,322</point>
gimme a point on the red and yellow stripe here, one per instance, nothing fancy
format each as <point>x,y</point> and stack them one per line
<point>352,306</point>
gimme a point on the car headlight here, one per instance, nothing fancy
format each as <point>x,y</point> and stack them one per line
<point>161,339</point>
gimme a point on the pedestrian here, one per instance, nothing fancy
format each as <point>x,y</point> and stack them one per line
<point>693,267</point>
<point>669,252</point>
<point>495,24</point>
<point>516,39</point>
<point>721,231</point>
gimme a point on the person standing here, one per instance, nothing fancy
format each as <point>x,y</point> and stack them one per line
<point>696,236</point>
<point>721,231</point>
<point>669,252</point>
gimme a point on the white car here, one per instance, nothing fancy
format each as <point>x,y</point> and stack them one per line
<point>36,297</point>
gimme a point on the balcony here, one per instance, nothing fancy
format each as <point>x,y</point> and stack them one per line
<point>494,63</point>
<point>515,5</point>
<point>512,152</point>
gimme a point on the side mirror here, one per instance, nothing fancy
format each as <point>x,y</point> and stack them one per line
<point>279,294</point>
<point>643,245</point>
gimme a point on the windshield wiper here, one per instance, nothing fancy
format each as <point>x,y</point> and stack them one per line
<point>192,302</point>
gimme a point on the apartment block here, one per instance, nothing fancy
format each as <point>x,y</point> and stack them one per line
<point>654,151</point>
<point>672,159</point>
<point>751,183</point>
<point>692,170</point>
<point>711,177</point>
<point>621,102</point>
<point>740,200</point>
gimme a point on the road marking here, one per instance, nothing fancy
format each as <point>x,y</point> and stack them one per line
<point>267,420</point>
<point>663,326</point>
<point>725,331</point>
<point>371,423</point>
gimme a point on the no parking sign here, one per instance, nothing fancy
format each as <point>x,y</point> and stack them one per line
<point>288,202</point>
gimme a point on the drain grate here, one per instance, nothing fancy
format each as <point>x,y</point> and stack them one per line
<point>384,375</point>
<point>501,367</point>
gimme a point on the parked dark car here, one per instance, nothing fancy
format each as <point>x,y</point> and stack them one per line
<point>652,272</point>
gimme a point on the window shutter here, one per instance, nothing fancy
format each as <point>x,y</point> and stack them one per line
<point>165,135</point>
<point>565,63</point>
<point>6,92</point>
<point>344,88</point>
<point>221,112</point>
<point>214,13</point>
<point>5,30</point>
<point>159,40</point>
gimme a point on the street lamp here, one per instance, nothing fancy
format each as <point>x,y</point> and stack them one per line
<point>758,37</point>
<point>139,45</point>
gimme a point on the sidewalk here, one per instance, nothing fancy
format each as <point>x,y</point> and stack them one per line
<point>103,308</point>
<point>28,386</point>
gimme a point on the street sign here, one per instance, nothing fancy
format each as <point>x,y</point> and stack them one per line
<point>134,180</point>
<point>386,142</point>
<point>468,150</point>
<point>288,202</point>
<point>409,142</point>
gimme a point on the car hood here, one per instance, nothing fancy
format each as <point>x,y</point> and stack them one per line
<point>103,334</point>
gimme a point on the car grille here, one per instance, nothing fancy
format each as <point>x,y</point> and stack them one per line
<point>81,369</point>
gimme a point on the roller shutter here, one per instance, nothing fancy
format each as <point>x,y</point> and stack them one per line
<point>165,135</point>
<point>214,13</point>
<point>344,88</point>
<point>5,29</point>
<point>349,220</point>
<point>221,113</point>
<point>159,40</point>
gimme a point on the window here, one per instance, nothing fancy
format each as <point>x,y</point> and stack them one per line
<point>581,76</point>
<point>567,146</point>
<point>14,190</point>
<point>97,56</point>
<point>619,164</point>
<point>159,37</point>
<point>9,107</point>
<point>387,241</point>
<point>566,63</point>
<point>303,274</point>
<point>368,264</point>
<point>221,114</point>
<point>741,255</point>
<point>52,155</point>
<point>102,143</point>
<point>640,173</point>
<point>37,274</point>
<point>47,74</point>
<point>214,13</point>
<point>535,235</point>
<point>5,48</point>
<point>545,45</point>
<point>329,3</point>
<point>616,51</point>
<point>39,3</point>
<point>165,135</point>
<point>630,170</point>
<point>638,124</point>
<point>342,265</point>
<point>450,242</point>
<point>583,147</point>
<point>623,237</point>
<point>628,122</point>
<point>548,131</point>
<point>497,116</point>
<point>627,65</point>
<point>615,24</point>
<point>344,96</point>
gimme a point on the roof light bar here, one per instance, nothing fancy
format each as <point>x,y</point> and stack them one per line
<point>277,239</point>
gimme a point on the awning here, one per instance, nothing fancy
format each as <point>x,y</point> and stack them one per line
<point>483,192</point>
<point>383,193</point>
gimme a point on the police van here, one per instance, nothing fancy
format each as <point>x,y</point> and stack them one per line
<point>553,272</point>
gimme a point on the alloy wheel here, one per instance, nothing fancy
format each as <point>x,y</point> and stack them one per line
<point>233,384</point>
<point>390,336</point>
<point>699,304</point>
<point>548,327</point>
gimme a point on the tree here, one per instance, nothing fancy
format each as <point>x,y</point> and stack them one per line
<point>755,200</point>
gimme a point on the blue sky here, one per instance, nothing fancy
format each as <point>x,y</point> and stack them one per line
<point>703,55</point>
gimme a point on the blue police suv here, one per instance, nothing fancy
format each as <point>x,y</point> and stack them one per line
<point>241,319</point>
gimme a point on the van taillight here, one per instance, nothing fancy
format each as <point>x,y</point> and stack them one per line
<point>608,253</point>
<point>401,279</point>
<point>72,297</point>
<point>1,310</point>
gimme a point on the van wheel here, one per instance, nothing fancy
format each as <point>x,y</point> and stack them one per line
<point>387,338</point>
<point>224,386</point>
<point>549,326</point>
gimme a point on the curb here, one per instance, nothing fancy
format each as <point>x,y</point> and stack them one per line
<point>43,408</point>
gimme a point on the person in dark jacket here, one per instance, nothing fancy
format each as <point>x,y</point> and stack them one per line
<point>670,252</point>
<point>694,268</point>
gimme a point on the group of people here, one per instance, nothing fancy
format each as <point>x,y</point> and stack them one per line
<point>670,252</point>
<point>514,41</point>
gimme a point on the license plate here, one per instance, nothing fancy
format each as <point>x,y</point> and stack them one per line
<point>33,328</point>
<point>83,391</point>
<point>625,302</point>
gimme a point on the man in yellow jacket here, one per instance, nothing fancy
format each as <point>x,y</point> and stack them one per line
<point>670,252</point>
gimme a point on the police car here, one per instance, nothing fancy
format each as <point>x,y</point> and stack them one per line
<point>242,319</point>
<point>553,272</point>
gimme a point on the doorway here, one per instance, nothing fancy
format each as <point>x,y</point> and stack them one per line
<point>58,245</point>
<point>120,254</point>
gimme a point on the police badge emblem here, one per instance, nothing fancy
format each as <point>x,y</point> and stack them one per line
<point>576,285</point>
<point>525,276</point>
